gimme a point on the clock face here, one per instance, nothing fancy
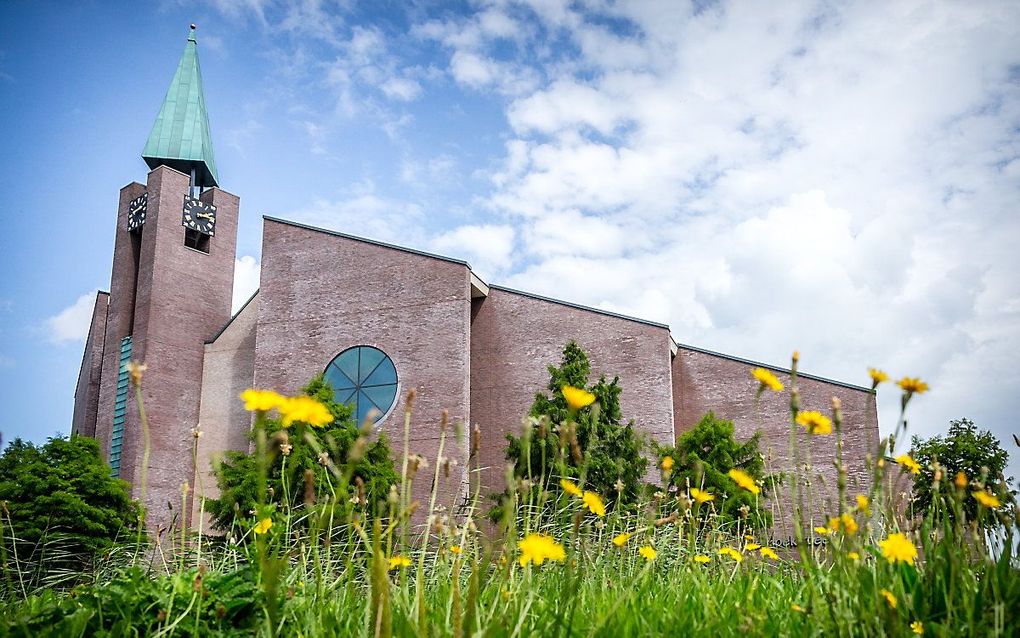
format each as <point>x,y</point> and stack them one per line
<point>136,211</point>
<point>199,216</point>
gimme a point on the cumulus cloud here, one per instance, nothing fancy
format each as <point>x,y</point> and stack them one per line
<point>837,179</point>
<point>487,247</point>
<point>72,323</point>
<point>247,271</point>
<point>368,215</point>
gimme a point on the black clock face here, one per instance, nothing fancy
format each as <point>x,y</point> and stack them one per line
<point>199,216</point>
<point>136,211</point>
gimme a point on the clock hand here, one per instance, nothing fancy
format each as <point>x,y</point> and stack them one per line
<point>204,215</point>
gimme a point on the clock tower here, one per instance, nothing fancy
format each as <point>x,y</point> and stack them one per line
<point>170,291</point>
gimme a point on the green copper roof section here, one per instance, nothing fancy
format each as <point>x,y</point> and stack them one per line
<point>180,137</point>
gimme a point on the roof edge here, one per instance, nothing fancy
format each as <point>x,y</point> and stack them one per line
<point>578,306</point>
<point>769,366</point>
<point>374,242</point>
<point>220,332</point>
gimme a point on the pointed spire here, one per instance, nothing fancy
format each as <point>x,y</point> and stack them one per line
<point>180,138</point>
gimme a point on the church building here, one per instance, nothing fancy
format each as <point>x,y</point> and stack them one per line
<point>378,320</point>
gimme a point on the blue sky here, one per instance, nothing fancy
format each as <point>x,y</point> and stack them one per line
<point>840,179</point>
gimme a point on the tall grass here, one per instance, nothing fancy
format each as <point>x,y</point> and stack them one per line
<point>333,567</point>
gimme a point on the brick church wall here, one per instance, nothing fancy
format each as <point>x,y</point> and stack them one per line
<point>323,292</point>
<point>86,393</point>
<point>704,381</point>
<point>516,336</point>
<point>228,370</point>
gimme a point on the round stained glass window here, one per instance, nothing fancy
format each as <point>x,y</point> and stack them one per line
<point>364,378</point>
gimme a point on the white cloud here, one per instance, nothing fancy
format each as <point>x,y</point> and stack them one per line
<point>835,179</point>
<point>72,323</point>
<point>488,248</point>
<point>401,89</point>
<point>247,272</point>
<point>366,215</point>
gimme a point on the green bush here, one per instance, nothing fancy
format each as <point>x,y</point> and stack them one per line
<point>610,452</point>
<point>704,455</point>
<point>978,454</point>
<point>61,506</point>
<point>237,475</point>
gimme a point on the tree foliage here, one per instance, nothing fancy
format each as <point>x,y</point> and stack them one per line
<point>62,489</point>
<point>976,453</point>
<point>610,450</point>
<point>702,458</point>
<point>237,475</point>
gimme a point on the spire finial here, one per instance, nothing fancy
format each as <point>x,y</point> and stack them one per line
<point>191,33</point>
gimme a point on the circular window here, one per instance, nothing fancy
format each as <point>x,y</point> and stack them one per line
<point>364,378</point>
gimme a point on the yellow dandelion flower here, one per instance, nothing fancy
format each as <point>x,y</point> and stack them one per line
<point>576,397</point>
<point>917,627</point>
<point>399,562</point>
<point>261,400</point>
<point>766,380</point>
<point>305,409</point>
<point>877,376</point>
<point>987,499</point>
<point>667,463</point>
<point>701,496</point>
<point>814,422</point>
<point>751,547</point>
<point>961,480</point>
<point>456,549</point>
<point>537,548</point>
<point>912,385</point>
<point>732,553</point>
<point>844,523</point>
<point>854,556</point>
<point>898,548</point>
<point>648,552</point>
<point>906,461</point>
<point>744,480</point>
<point>263,526</point>
<point>863,504</point>
<point>570,488</point>
<point>594,503</point>
<point>621,539</point>
<point>890,599</point>
<point>796,607</point>
<point>701,558</point>
<point>766,552</point>
<point>823,531</point>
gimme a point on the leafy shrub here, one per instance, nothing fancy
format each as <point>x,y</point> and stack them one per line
<point>61,506</point>
<point>304,446</point>
<point>704,455</point>
<point>978,454</point>
<point>612,460</point>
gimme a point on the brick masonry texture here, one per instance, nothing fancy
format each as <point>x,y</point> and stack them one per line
<point>227,371</point>
<point>704,381</point>
<point>480,359</point>
<point>175,299</point>
<point>86,393</point>
<point>322,293</point>
<point>515,337</point>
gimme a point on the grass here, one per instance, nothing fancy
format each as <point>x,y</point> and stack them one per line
<point>325,569</point>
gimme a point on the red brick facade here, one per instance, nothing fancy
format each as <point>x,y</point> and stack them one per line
<point>479,352</point>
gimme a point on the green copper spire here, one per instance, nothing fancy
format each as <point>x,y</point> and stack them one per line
<point>180,137</point>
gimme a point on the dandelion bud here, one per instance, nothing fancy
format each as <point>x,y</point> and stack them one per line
<point>619,485</point>
<point>393,497</point>
<point>836,403</point>
<point>600,524</point>
<point>271,492</point>
<point>185,488</point>
<point>286,449</point>
<point>135,370</point>
<point>444,420</point>
<point>323,458</point>
<point>796,357</point>
<point>476,438</point>
<point>961,480</point>
<point>309,487</point>
<point>409,401</point>
<point>744,511</point>
<point>196,433</point>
